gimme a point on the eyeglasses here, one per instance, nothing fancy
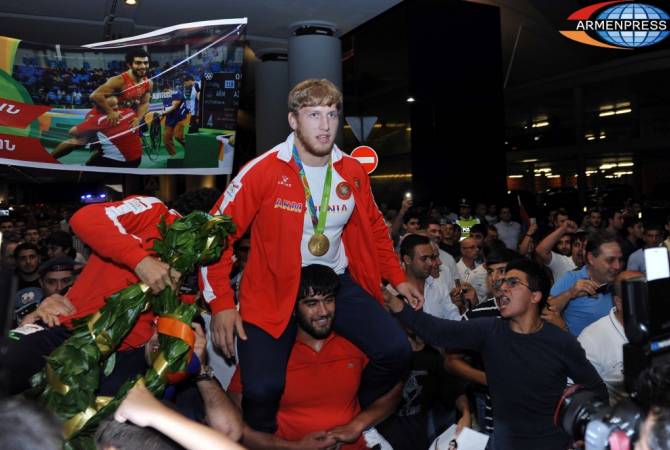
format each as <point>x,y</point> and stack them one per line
<point>513,282</point>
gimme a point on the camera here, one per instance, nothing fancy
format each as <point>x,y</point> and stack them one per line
<point>647,326</point>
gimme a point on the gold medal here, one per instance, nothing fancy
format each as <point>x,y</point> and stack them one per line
<point>318,244</point>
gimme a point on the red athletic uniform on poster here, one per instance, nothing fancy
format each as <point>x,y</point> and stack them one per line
<point>119,142</point>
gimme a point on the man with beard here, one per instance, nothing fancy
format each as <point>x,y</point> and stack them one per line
<point>306,202</point>
<point>309,415</point>
<point>27,257</point>
<point>527,360</point>
<point>132,87</point>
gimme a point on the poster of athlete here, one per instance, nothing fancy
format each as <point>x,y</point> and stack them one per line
<point>163,102</point>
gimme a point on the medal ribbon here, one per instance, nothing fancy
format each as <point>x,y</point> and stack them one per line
<point>320,222</point>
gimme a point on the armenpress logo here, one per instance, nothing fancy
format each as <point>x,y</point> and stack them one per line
<point>619,24</point>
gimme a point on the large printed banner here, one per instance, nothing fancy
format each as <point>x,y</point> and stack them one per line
<point>164,102</point>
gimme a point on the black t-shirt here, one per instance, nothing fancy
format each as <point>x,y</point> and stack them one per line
<point>22,284</point>
<point>527,373</point>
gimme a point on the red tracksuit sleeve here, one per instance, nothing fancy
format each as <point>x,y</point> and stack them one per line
<point>389,263</point>
<point>241,200</point>
<point>108,228</point>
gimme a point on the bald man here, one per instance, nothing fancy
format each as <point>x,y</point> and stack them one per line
<point>468,269</point>
<point>604,339</point>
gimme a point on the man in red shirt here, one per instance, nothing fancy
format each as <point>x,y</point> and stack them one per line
<point>116,145</point>
<point>132,87</point>
<point>276,196</point>
<point>319,407</point>
<point>120,235</point>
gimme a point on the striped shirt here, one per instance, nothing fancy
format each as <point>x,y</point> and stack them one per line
<point>487,309</point>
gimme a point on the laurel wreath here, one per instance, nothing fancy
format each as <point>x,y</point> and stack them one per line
<point>68,384</point>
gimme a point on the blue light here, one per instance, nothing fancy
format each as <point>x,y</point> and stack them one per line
<point>88,196</point>
<point>103,196</point>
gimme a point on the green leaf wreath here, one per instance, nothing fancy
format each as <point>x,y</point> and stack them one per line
<point>68,384</point>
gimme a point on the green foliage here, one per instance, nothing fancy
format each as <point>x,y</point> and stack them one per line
<point>69,383</point>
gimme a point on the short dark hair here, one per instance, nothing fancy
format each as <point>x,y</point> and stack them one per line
<point>411,213</point>
<point>317,279</point>
<point>25,425</point>
<point>25,246</point>
<point>653,394</point>
<point>538,280</point>
<point>60,238</point>
<point>562,212</point>
<point>654,226</point>
<point>127,436</point>
<point>596,240</point>
<point>479,228</point>
<point>429,220</point>
<point>608,214</point>
<point>410,242</point>
<point>629,222</point>
<point>198,200</point>
<point>497,255</point>
<point>136,52</point>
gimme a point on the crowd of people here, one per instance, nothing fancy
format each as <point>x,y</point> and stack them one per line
<point>351,327</point>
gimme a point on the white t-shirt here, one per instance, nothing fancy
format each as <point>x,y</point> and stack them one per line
<point>509,233</point>
<point>603,342</point>
<point>437,301</point>
<point>340,207</point>
<point>448,263</point>
<point>476,277</point>
<point>560,265</point>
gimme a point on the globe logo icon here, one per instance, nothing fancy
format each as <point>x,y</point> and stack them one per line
<point>633,11</point>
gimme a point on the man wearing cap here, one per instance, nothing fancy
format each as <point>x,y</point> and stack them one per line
<point>465,219</point>
<point>55,277</point>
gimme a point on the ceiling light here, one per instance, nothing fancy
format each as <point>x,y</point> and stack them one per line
<point>623,111</point>
<point>626,164</point>
<point>532,160</point>
<point>607,166</point>
<point>410,100</point>
<point>131,2</point>
<point>544,123</point>
<point>536,138</point>
<point>606,113</point>
<point>515,176</point>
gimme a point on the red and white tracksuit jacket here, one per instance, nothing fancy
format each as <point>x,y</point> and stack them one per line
<point>269,195</point>
<point>120,234</point>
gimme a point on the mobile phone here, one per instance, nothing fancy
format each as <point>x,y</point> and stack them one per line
<point>533,221</point>
<point>656,263</point>
<point>408,194</point>
<point>603,289</point>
